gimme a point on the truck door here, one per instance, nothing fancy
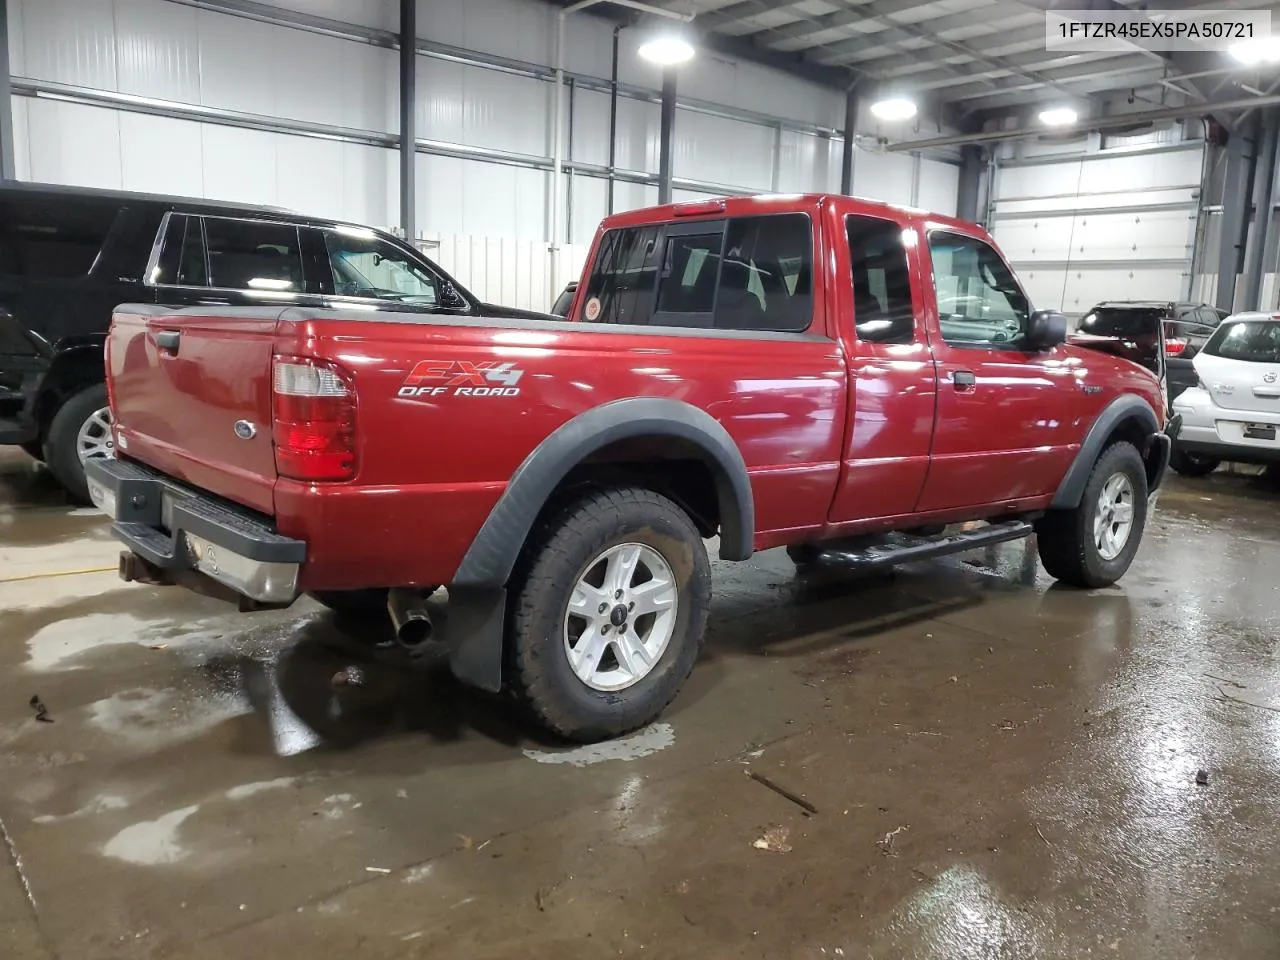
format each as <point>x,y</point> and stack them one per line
<point>1005,415</point>
<point>892,385</point>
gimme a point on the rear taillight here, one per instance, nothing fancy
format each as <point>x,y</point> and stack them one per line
<point>1174,348</point>
<point>314,414</point>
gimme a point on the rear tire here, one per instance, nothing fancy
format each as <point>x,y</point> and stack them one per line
<point>589,665</point>
<point>1191,464</point>
<point>79,431</point>
<point>1083,547</point>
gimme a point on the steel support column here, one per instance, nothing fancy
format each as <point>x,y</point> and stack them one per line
<point>1241,158</point>
<point>613,125</point>
<point>973,168</point>
<point>7,166</point>
<point>667,136</point>
<point>850,128</point>
<point>1263,195</point>
<point>408,117</point>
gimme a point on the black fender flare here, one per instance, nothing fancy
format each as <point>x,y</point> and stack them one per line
<point>477,593</point>
<point>492,555</point>
<point>1128,407</point>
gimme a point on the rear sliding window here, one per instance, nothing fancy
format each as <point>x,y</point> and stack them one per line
<point>1128,322</point>
<point>748,273</point>
<point>1256,341</point>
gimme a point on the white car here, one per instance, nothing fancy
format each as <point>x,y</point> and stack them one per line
<point>1233,411</point>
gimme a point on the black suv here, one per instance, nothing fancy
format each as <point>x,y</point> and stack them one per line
<point>69,256</point>
<point>1151,327</point>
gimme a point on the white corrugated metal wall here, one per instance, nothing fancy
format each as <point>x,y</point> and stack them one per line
<point>161,70</point>
<point>1096,220</point>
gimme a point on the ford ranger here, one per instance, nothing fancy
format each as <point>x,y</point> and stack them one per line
<point>819,373</point>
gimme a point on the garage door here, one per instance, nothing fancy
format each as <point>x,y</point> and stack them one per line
<point>1105,226</point>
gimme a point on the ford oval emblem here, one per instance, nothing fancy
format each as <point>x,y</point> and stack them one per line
<point>245,430</point>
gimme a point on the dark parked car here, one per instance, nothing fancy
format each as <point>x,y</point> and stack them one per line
<point>565,300</point>
<point>1140,324</point>
<point>69,256</point>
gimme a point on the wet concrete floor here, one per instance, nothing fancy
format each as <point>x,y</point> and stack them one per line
<point>1000,768</point>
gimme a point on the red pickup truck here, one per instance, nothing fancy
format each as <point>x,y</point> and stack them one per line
<point>821,373</point>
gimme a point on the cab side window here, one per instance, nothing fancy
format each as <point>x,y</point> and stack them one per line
<point>753,274</point>
<point>222,253</point>
<point>979,301</point>
<point>883,311</point>
<point>368,267</point>
<point>253,255</point>
<point>621,286</point>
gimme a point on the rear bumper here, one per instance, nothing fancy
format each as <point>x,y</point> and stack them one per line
<point>1212,431</point>
<point>178,530</point>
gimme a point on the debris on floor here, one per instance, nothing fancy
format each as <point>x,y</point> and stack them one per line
<point>1202,776</point>
<point>886,844</point>
<point>774,840</point>
<point>42,712</point>
<point>799,801</point>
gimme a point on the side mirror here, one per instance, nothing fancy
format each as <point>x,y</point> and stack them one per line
<point>451,298</point>
<point>1045,329</point>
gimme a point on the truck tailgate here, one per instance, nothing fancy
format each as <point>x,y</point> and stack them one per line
<point>192,396</point>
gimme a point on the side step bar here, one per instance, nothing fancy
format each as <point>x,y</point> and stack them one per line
<point>898,548</point>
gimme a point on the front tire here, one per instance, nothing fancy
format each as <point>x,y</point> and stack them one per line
<point>80,431</point>
<point>608,612</point>
<point>1191,464</point>
<point>1094,544</point>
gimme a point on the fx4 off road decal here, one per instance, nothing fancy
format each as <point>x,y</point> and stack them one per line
<point>461,378</point>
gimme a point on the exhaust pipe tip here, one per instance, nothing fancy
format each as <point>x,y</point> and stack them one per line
<point>409,617</point>
<point>414,632</point>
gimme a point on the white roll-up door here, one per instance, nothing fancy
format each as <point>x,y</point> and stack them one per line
<point>1110,225</point>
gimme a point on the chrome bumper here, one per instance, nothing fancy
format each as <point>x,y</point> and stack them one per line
<point>177,530</point>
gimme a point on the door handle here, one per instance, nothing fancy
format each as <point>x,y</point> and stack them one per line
<point>963,379</point>
<point>169,340</point>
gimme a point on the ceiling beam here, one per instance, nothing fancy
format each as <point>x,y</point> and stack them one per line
<point>846,51</point>
<point>808,26</point>
<point>874,9</point>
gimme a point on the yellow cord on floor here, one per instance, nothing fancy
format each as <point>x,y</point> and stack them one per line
<point>60,573</point>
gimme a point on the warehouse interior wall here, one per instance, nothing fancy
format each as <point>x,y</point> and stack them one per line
<point>1101,217</point>
<point>169,97</point>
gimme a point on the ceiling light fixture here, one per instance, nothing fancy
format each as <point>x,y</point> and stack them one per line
<point>666,43</point>
<point>1256,51</point>
<point>1059,117</point>
<point>893,108</point>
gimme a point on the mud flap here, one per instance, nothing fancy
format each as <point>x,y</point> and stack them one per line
<point>473,634</point>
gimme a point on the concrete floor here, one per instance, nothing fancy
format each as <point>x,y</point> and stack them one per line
<point>1001,768</point>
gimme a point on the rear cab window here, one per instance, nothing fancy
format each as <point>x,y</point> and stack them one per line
<point>1254,341</point>
<point>750,274</point>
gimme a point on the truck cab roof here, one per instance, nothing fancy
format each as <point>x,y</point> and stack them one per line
<point>771,204</point>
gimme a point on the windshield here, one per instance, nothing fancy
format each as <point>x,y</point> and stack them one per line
<point>1128,322</point>
<point>1256,341</point>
